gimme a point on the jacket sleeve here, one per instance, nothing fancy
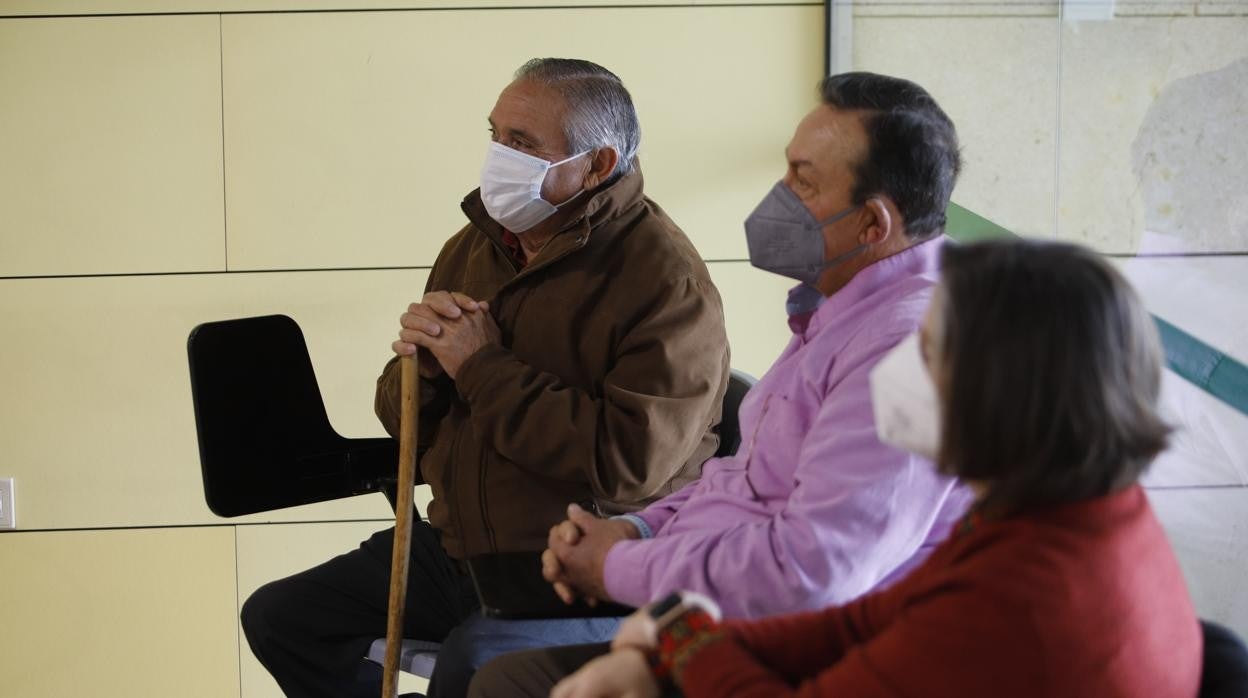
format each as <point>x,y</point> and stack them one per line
<point>793,655</point>
<point>858,510</point>
<point>656,401</point>
<point>954,639</point>
<point>771,657</point>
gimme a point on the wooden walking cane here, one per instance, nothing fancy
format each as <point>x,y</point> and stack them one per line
<point>400,555</point>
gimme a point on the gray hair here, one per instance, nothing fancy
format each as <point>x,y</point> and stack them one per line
<point>600,110</point>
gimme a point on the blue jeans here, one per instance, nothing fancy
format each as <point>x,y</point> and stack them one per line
<point>478,639</point>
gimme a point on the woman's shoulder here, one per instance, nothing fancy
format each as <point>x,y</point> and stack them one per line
<point>1081,583</point>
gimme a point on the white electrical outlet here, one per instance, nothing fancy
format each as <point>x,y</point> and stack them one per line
<point>8,517</point>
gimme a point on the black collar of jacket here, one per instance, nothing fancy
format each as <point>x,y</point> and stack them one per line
<point>603,205</point>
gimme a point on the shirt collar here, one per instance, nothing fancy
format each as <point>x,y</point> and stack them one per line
<point>912,261</point>
<point>513,246</point>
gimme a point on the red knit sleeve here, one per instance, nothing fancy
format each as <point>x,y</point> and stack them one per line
<point>944,635</point>
<point>771,657</point>
<point>801,644</point>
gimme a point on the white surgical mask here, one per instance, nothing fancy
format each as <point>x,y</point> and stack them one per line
<point>903,397</point>
<point>511,187</point>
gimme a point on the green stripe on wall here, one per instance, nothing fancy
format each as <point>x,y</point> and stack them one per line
<point>964,225</point>
<point>1206,367</point>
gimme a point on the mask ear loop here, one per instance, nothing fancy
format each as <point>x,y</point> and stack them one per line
<point>569,200</point>
<point>582,190</point>
<point>847,255</point>
<point>838,216</point>
<point>553,165</point>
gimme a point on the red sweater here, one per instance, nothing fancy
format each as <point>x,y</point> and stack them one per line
<point>1084,600</point>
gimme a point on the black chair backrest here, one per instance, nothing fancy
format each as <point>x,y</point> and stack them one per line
<point>739,383</point>
<point>265,441</point>
<point>1225,670</point>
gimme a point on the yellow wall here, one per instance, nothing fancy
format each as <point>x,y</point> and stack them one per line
<point>145,612</point>
<point>158,171</point>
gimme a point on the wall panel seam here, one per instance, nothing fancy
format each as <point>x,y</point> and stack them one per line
<point>225,204</point>
<point>1057,136</point>
<point>161,527</point>
<point>427,267</point>
<point>915,9</point>
<point>442,8</point>
<point>305,270</point>
<point>238,636</point>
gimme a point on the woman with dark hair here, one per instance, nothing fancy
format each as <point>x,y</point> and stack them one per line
<point>1035,379</point>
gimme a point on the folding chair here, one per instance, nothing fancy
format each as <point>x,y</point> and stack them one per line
<point>265,441</point>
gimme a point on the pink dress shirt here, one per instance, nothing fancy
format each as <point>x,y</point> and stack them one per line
<point>812,510</point>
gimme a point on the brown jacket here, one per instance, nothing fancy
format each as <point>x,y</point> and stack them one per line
<point>606,385</point>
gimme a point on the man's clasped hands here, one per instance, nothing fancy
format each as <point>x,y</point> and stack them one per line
<point>453,327</point>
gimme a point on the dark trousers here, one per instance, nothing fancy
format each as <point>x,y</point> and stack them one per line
<point>313,629</point>
<point>532,673</point>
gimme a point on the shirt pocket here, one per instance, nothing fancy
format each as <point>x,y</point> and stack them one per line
<point>775,445</point>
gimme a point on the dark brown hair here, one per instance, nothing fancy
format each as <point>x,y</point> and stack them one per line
<point>912,147</point>
<point>1052,368</point>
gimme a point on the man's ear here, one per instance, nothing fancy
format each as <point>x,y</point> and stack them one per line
<point>882,221</point>
<point>601,165</point>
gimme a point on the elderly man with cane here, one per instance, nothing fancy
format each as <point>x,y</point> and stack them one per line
<point>572,350</point>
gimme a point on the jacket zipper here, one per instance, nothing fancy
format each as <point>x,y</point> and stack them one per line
<point>448,480</point>
<point>483,494</point>
<point>484,502</point>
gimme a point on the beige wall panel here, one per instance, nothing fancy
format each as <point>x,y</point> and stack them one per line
<point>1152,137</point>
<point>997,80</point>
<point>952,8</point>
<point>1217,8</point>
<point>110,139</point>
<point>87,7</point>
<point>97,424</point>
<point>266,553</point>
<point>1152,8</point>
<point>352,138</point>
<point>119,614</point>
<point>758,327</point>
<point>719,93</point>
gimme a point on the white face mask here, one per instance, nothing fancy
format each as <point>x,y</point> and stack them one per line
<point>511,187</point>
<point>903,397</point>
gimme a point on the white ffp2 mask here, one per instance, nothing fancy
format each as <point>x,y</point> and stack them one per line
<point>903,399</point>
<point>511,187</point>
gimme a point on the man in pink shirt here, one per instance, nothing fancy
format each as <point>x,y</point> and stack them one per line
<point>813,509</point>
